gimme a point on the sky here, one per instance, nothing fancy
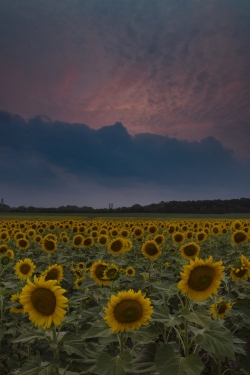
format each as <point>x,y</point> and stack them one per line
<point>124,101</point>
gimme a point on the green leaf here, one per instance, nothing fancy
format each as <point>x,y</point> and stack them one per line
<point>74,344</point>
<point>99,329</point>
<point>145,361</point>
<point>145,334</point>
<point>107,365</point>
<point>200,316</point>
<point>169,362</point>
<point>217,340</point>
<point>29,336</point>
<point>31,367</point>
<point>161,314</point>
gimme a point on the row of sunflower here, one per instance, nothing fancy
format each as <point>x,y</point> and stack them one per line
<point>98,292</point>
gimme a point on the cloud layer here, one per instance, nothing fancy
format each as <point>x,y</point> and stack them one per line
<point>176,68</point>
<point>40,155</point>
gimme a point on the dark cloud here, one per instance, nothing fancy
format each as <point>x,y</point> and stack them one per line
<point>38,151</point>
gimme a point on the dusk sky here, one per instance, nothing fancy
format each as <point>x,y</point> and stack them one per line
<point>124,101</point>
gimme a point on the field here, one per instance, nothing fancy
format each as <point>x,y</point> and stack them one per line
<point>124,294</point>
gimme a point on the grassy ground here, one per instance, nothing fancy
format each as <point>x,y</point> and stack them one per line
<point>117,216</point>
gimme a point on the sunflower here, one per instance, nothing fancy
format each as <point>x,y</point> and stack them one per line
<point>3,249</point>
<point>4,236</point>
<point>111,272</point>
<point>49,246</point>
<point>150,250</point>
<point>201,279</point>
<point>78,282</point>
<point>130,271</point>
<point>138,232</point>
<point>178,238</point>
<point>244,261</point>
<point>54,272</point>
<point>190,250</point>
<point>128,244</point>
<point>159,239</point>
<point>88,242</point>
<point>220,309</point>
<point>65,239</point>
<point>153,229</point>
<point>80,266</point>
<point>97,273</point>
<point>77,240</point>
<point>201,236</point>
<point>117,246</point>
<point>240,273</point>
<point>24,268</point>
<point>5,260</point>
<point>238,237</point>
<point>10,253</point>
<point>38,238</point>
<point>124,233</point>
<point>113,232</point>
<point>44,301</point>
<point>127,311</point>
<point>22,243</point>
<point>18,308</point>
<point>103,240</point>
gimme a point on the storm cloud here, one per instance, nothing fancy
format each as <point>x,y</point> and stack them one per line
<point>46,155</point>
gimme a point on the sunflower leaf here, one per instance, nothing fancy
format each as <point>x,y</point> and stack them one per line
<point>161,314</point>
<point>167,361</point>
<point>107,365</point>
<point>74,344</point>
<point>200,316</point>
<point>145,361</point>
<point>217,340</point>
<point>99,329</point>
<point>29,336</point>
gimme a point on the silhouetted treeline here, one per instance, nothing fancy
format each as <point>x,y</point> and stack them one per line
<point>216,206</point>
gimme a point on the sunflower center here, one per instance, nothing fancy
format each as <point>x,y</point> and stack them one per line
<point>116,246</point>
<point>190,250</point>
<point>222,309</point>
<point>200,236</point>
<point>241,272</point>
<point>178,238</point>
<point>22,243</point>
<point>99,271</point>
<point>87,242</point>
<point>151,249</point>
<point>130,272</point>
<point>239,237</point>
<point>52,275</point>
<point>201,278</point>
<point>111,273</point>
<point>159,240</point>
<point>50,245</point>
<point>25,268</point>
<point>128,311</point>
<point>102,240</point>
<point>77,240</point>
<point>137,232</point>
<point>43,301</point>
<point>152,230</point>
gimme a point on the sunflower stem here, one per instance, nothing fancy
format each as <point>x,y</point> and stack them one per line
<point>219,365</point>
<point>186,346</point>
<point>121,342</point>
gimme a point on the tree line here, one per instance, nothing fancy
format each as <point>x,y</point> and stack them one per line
<point>216,206</point>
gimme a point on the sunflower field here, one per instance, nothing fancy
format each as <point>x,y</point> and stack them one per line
<point>116,297</point>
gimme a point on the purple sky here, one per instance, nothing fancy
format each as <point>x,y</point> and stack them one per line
<point>178,69</point>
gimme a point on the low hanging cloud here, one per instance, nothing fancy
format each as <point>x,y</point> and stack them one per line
<point>44,154</point>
